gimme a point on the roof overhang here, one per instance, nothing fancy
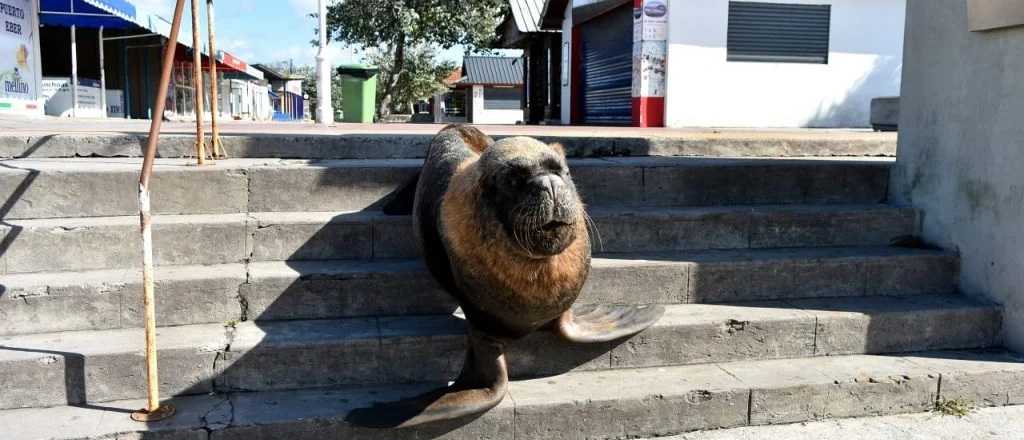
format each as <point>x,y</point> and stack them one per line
<point>509,35</point>
<point>553,14</point>
<point>110,14</point>
<point>591,11</point>
<point>524,19</point>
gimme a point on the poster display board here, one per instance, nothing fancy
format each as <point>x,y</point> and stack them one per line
<point>650,37</point>
<point>57,94</point>
<point>115,103</point>
<point>18,63</point>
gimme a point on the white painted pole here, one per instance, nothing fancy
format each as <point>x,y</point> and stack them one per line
<point>103,78</point>
<point>325,111</point>
<point>74,74</point>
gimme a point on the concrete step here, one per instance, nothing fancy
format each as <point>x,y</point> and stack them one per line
<point>46,245</point>
<point>99,366</point>
<point>990,423</point>
<point>594,405</point>
<point>109,299</point>
<point>383,143</point>
<point>62,188</point>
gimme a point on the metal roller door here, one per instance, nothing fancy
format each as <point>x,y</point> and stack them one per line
<point>607,73</point>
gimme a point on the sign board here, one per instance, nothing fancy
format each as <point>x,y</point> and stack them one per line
<point>115,104</point>
<point>57,93</point>
<point>231,61</point>
<point>18,73</point>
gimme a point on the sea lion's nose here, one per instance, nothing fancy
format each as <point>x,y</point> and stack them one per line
<point>550,183</point>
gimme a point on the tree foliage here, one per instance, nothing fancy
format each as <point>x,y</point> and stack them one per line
<point>393,27</point>
<point>421,77</point>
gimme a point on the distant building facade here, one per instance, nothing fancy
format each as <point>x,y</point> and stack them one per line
<point>286,96</point>
<point>489,91</point>
<point>719,63</point>
<point>101,58</point>
<point>542,55</point>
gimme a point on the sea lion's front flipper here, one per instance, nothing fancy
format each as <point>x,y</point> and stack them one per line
<point>603,323</point>
<point>481,386</point>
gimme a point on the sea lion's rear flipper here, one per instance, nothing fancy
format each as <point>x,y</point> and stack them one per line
<point>481,386</point>
<point>603,323</point>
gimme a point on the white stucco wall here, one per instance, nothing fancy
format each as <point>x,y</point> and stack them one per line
<point>482,115</point>
<point>865,60</point>
<point>961,149</point>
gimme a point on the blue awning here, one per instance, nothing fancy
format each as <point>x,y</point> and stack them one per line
<point>113,14</point>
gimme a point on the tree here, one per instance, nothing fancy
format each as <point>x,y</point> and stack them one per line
<point>394,27</point>
<point>421,77</point>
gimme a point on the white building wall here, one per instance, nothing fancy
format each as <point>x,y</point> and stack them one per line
<point>865,62</point>
<point>482,115</point>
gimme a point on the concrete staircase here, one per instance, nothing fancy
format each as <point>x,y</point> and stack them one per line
<point>287,298</point>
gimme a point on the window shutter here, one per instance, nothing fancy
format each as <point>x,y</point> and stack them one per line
<point>778,32</point>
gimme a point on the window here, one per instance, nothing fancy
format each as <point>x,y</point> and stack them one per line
<point>455,103</point>
<point>778,32</point>
<point>504,98</point>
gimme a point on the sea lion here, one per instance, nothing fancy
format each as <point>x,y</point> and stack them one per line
<point>502,229</point>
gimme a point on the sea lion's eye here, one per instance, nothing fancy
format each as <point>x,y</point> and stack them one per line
<point>553,166</point>
<point>517,175</point>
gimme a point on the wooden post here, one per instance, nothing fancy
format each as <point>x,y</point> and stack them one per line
<point>218,149</point>
<point>197,82</point>
<point>154,411</point>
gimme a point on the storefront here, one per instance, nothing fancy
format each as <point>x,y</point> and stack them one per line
<point>20,79</point>
<point>725,63</point>
<point>240,92</point>
<point>102,58</point>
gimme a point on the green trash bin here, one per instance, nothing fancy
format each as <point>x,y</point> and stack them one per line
<point>358,92</point>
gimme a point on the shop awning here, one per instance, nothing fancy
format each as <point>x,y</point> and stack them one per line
<point>111,14</point>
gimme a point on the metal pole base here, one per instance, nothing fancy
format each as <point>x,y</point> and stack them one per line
<point>161,413</point>
<point>200,147</point>
<point>218,148</point>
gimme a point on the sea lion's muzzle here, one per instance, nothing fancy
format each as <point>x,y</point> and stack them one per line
<point>551,183</point>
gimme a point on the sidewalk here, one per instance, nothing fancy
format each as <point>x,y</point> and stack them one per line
<point>1006,423</point>
<point>24,126</point>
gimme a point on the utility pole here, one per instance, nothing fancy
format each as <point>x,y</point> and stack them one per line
<point>324,110</point>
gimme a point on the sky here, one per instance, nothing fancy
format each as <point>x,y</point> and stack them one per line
<point>269,31</point>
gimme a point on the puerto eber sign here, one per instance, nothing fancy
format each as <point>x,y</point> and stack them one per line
<point>17,53</point>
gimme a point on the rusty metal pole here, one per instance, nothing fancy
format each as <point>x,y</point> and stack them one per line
<point>218,149</point>
<point>154,411</point>
<point>197,82</point>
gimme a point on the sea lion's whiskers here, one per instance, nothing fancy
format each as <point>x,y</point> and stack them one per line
<point>527,227</point>
<point>592,226</point>
<point>517,233</point>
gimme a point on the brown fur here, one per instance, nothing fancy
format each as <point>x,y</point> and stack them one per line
<point>537,285</point>
<point>472,136</point>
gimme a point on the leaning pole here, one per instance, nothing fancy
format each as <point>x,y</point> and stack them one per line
<point>154,411</point>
